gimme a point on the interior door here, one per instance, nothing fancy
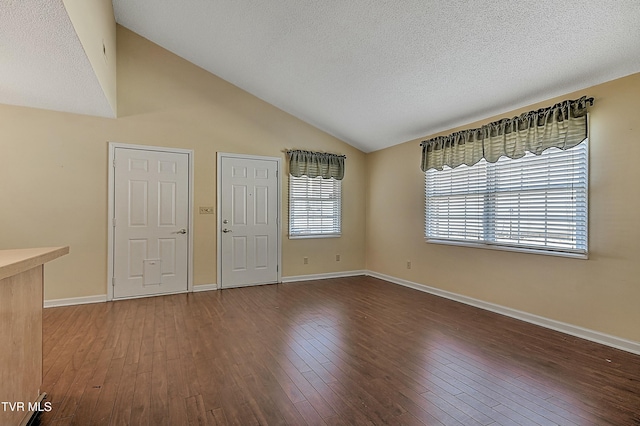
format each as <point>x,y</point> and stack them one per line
<point>151,222</point>
<point>249,229</point>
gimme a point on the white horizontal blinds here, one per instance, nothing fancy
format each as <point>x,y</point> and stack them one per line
<point>541,201</point>
<point>314,206</point>
<point>537,201</point>
<point>455,202</point>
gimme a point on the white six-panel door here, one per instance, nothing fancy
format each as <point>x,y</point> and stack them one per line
<point>151,212</point>
<point>249,230</point>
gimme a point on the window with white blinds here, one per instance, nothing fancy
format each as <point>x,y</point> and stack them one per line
<point>536,202</point>
<point>315,207</point>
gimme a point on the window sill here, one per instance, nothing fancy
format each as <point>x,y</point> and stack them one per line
<point>582,256</point>
<point>302,237</point>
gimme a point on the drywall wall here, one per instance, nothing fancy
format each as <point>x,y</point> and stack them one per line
<point>53,167</point>
<point>600,293</point>
<point>95,25</point>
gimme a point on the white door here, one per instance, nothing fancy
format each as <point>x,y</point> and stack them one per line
<point>248,220</point>
<point>151,212</point>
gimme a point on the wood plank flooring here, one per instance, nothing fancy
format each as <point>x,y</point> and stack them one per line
<point>349,351</point>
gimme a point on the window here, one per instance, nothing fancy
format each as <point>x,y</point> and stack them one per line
<point>314,207</point>
<point>536,202</point>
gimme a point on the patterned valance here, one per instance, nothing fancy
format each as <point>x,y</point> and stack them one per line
<point>314,164</point>
<point>563,126</point>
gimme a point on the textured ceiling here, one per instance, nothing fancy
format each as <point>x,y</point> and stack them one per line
<point>42,62</point>
<point>376,73</point>
<point>372,73</point>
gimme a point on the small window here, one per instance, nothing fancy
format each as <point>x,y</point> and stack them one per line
<point>537,202</point>
<point>314,207</point>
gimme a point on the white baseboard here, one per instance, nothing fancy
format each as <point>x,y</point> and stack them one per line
<point>573,330</point>
<point>204,287</point>
<point>311,277</point>
<point>52,303</point>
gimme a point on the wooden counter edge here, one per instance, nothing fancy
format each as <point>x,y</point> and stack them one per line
<point>13,262</point>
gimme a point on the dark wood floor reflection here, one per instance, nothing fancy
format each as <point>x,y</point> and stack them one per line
<point>350,351</point>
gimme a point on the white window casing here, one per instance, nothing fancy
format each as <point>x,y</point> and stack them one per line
<point>315,207</point>
<point>537,203</point>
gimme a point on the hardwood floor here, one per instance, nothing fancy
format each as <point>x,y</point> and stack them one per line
<point>350,351</point>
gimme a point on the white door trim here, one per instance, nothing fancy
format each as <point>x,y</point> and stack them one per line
<point>111,210</point>
<point>219,209</point>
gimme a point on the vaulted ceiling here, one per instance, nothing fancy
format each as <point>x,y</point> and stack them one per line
<point>372,73</point>
<point>42,61</point>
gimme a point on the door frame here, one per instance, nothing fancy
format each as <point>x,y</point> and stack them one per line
<point>278,160</point>
<point>111,211</point>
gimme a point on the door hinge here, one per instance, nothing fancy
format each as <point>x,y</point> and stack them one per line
<point>114,222</point>
<point>114,163</point>
<point>277,173</point>
<point>113,281</point>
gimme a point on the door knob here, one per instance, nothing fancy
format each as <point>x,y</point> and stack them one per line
<point>182,231</point>
<point>225,230</point>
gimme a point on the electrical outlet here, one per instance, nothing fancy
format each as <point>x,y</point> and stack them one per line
<point>206,210</point>
<point>337,258</point>
<point>305,260</point>
<point>408,264</point>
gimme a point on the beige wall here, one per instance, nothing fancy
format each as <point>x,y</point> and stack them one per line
<point>600,294</point>
<point>53,167</point>
<point>95,25</point>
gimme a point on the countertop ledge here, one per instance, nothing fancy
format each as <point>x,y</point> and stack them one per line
<point>13,262</point>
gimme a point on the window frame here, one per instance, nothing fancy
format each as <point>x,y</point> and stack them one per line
<point>512,247</point>
<point>305,235</point>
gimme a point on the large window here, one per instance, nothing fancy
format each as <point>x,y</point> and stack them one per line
<point>314,207</point>
<point>537,202</point>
